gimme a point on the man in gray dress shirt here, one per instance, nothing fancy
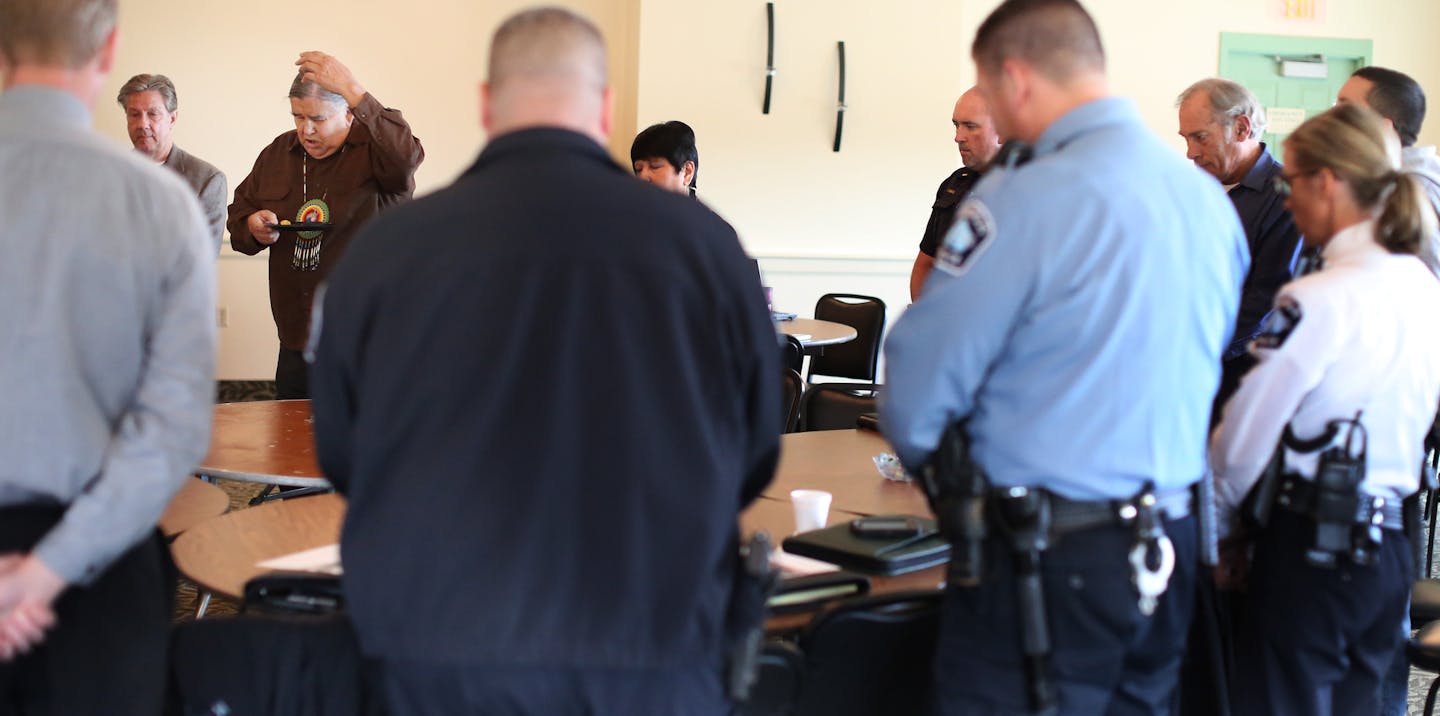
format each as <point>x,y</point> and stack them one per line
<point>151,110</point>
<point>107,352</point>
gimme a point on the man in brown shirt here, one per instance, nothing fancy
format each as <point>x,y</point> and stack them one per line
<point>349,152</point>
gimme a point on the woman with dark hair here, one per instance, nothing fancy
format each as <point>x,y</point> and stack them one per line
<point>665,155</point>
<point>1346,387</point>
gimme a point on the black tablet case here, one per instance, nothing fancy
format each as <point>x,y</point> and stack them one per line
<point>838,545</point>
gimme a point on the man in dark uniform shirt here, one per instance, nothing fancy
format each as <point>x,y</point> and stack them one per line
<point>546,422</point>
<point>1222,123</point>
<point>978,142</point>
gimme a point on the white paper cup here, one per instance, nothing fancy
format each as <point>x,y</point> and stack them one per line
<point>812,509</point>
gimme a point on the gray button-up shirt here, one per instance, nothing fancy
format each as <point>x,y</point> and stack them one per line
<point>107,331</point>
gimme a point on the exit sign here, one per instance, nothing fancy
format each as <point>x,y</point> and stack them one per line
<point>1302,9</point>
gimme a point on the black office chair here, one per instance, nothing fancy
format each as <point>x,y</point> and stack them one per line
<point>777,685</point>
<point>1424,653</point>
<point>792,353</point>
<point>1424,603</point>
<point>279,666</point>
<point>1431,514</point>
<point>293,593</point>
<point>871,655</point>
<point>856,359</point>
<point>836,406</point>
<point>794,387</point>
<point>1424,649</point>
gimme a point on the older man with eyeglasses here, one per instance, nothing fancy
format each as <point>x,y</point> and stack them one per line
<point>1222,123</point>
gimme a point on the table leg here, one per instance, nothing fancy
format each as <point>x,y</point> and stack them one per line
<point>269,493</point>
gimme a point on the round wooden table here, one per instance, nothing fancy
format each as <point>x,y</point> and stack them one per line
<point>841,463</point>
<point>267,441</point>
<point>221,554</point>
<point>196,502</point>
<point>814,334</point>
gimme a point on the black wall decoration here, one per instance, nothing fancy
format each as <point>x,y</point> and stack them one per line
<point>769,54</point>
<point>770,74</point>
<point>840,106</point>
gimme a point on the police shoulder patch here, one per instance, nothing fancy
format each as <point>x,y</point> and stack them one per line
<point>1279,323</point>
<point>969,236</point>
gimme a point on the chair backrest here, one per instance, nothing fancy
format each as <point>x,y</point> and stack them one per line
<point>777,684</point>
<point>856,359</point>
<point>293,593</point>
<point>871,655</point>
<point>836,406</point>
<point>279,666</point>
<point>792,352</point>
<point>794,387</point>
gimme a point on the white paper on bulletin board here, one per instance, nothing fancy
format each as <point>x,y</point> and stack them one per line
<point>1284,120</point>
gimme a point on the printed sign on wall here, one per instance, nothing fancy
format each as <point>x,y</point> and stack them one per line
<point>1284,120</point>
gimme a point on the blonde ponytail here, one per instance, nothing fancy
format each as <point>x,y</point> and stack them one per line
<point>1407,217</point>
<point>1354,143</point>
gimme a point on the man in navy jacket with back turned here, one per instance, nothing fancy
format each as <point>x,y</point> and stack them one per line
<point>547,406</point>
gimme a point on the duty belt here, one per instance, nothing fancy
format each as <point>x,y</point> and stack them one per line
<point>1074,516</point>
<point>1297,494</point>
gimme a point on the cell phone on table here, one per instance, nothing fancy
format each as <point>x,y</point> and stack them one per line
<point>883,527</point>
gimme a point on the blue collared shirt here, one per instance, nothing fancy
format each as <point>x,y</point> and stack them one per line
<point>1274,247</point>
<point>1099,284</point>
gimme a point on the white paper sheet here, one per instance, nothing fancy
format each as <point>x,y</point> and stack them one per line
<point>793,565</point>
<point>320,560</point>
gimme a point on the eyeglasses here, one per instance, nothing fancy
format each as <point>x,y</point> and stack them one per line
<point>1282,183</point>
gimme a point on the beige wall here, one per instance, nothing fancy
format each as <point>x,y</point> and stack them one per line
<point>820,221</point>
<point>232,64</point>
<point>1157,48</point>
<point>849,222</point>
<point>776,178</point>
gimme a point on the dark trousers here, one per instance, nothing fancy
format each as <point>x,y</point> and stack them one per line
<point>1321,639</point>
<point>421,689</point>
<point>1207,669</point>
<point>1107,658</point>
<point>107,652</point>
<point>292,376</point>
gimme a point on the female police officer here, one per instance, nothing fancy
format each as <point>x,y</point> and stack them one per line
<point>1347,384</point>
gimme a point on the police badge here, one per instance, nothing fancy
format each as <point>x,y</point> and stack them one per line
<point>1278,324</point>
<point>971,233</point>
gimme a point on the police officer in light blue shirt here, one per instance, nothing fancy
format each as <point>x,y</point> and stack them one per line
<point>1110,273</point>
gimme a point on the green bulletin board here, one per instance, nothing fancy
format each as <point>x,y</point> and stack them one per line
<point>1256,62</point>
